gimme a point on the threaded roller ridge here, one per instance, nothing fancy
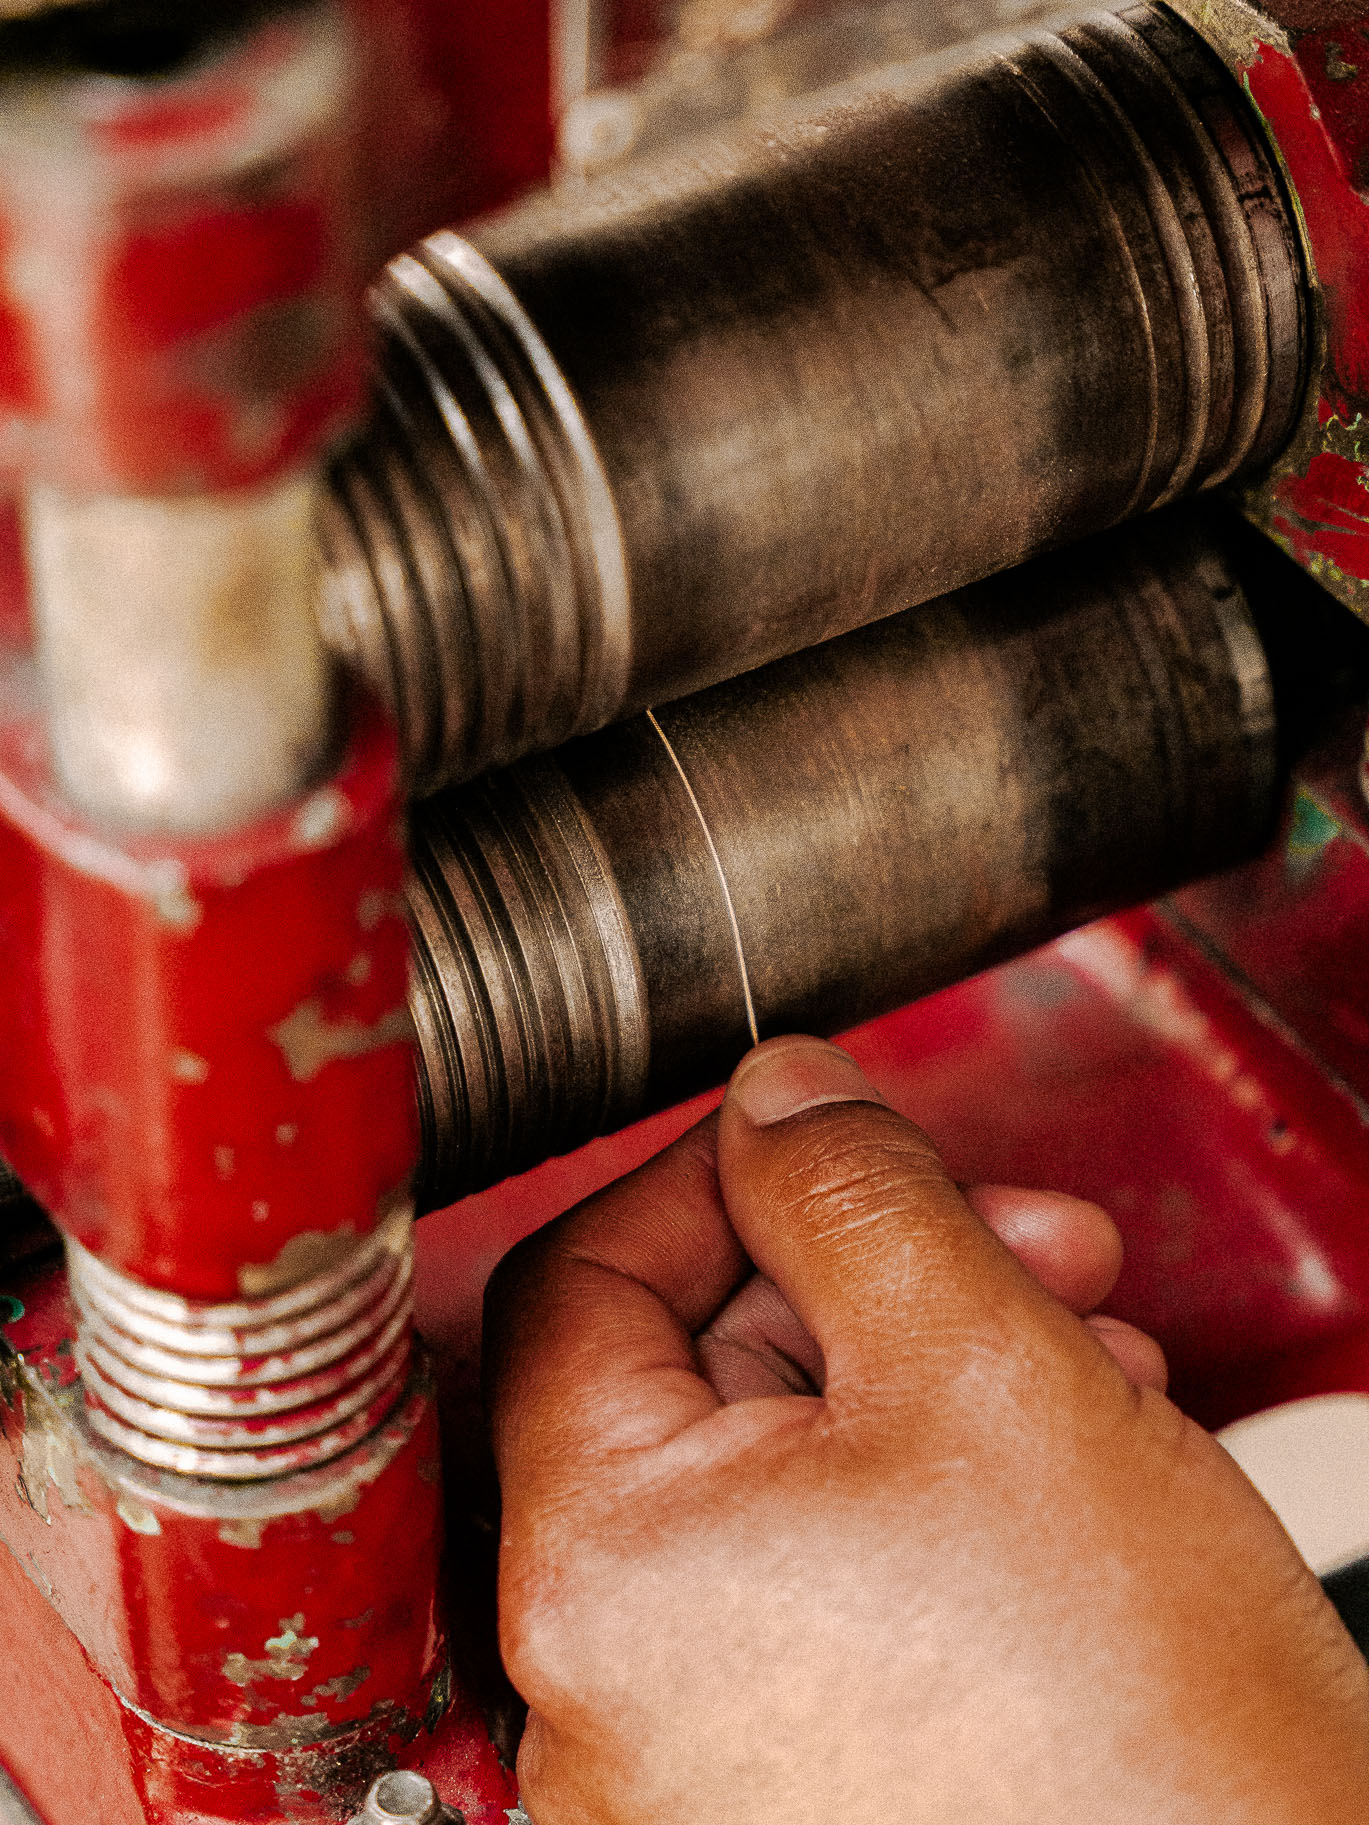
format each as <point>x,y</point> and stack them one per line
<point>475,567</point>
<point>528,998</point>
<point>1166,134</point>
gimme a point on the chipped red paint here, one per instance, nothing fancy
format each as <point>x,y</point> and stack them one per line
<point>1129,1063</point>
<point>193,1581</point>
<point>207,1052</point>
<point>173,316</point>
<point>1197,1069</point>
<point>173,1591</point>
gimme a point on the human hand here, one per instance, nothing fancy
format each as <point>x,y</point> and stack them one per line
<point>889,1531</point>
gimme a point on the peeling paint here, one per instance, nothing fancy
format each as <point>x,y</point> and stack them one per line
<point>374,907</point>
<point>344,1503</point>
<point>352,1759</point>
<point>176,906</point>
<point>189,1067</point>
<point>287,1656</point>
<point>340,1689</point>
<point>1347,437</point>
<point>310,1041</point>
<point>47,1461</point>
<point>1238,31</point>
<point>304,1257</point>
<point>439,1699</point>
<point>246,1533</point>
<point>321,819</point>
<point>1338,68</point>
<point>136,1516</point>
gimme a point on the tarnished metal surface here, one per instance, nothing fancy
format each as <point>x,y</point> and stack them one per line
<point>525,522</point>
<point>180,338</point>
<point>404,1798</point>
<point>824,375</point>
<point>206,1075</point>
<point>851,828</point>
<point>266,1640</point>
<point>186,683</point>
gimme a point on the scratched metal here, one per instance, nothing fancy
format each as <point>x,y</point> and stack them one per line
<point>804,375</point>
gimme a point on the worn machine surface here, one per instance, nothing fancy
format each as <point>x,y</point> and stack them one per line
<point>767,557</point>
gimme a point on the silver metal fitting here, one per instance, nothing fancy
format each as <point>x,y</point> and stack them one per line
<point>188,688</point>
<point>260,1388</point>
<point>404,1798</point>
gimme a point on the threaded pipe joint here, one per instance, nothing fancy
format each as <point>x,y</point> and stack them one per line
<point>255,1389</point>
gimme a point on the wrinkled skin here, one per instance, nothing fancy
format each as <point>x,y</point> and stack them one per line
<point>825,1499</point>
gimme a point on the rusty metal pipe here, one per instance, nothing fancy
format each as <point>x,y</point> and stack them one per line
<point>712,411</point>
<point>601,931</point>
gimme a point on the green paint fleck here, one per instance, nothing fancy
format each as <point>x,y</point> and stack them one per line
<point>11,1309</point>
<point>1313,829</point>
<point>1347,437</point>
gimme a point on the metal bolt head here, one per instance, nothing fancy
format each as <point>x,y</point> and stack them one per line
<point>402,1798</point>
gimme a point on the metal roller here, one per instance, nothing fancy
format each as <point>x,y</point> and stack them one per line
<point>601,931</point>
<point>714,410</point>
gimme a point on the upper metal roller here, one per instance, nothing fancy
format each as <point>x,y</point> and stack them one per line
<point>717,409</point>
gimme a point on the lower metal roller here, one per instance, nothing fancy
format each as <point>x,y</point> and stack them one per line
<point>601,931</point>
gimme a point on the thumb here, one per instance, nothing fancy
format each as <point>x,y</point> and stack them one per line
<point>848,1209</point>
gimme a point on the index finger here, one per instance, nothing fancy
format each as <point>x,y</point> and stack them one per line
<point>589,1349</point>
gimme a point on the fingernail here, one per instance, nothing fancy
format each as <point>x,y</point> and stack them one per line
<point>793,1075</point>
